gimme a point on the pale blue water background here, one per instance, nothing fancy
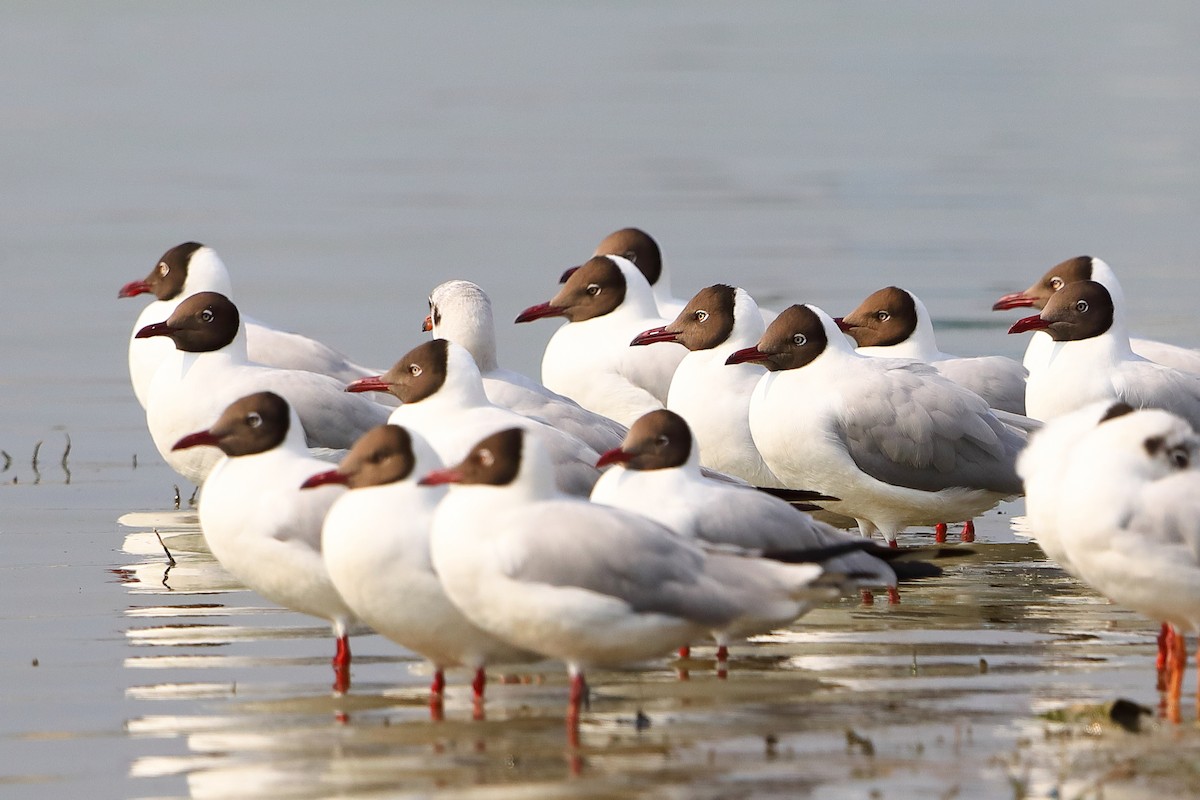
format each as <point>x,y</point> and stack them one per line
<point>343,159</point>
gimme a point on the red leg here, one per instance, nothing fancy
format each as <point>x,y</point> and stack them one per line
<point>1160,663</point>
<point>438,687</point>
<point>341,665</point>
<point>437,708</point>
<point>893,596</point>
<point>868,598</point>
<point>479,684</point>
<point>892,543</point>
<point>685,652</point>
<point>722,662</point>
<point>578,696</point>
<point>939,532</point>
<point>968,532</point>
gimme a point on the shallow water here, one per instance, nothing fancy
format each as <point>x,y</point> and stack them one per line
<point>343,161</point>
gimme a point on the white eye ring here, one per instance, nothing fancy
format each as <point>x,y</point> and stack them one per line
<point>1179,457</point>
<point>1081,306</point>
<point>1056,283</point>
<point>662,440</point>
<point>415,370</point>
<point>254,419</point>
<point>207,315</point>
<point>799,340</point>
<point>630,256</point>
<point>593,289</point>
<point>163,268</point>
<point>700,316</point>
<point>882,316</point>
<point>486,458</point>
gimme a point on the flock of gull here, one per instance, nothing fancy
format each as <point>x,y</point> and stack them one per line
<point>682,474</point>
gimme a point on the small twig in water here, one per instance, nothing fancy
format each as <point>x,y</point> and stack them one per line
<point>170,557</point>
<point>135,460</point>
<point>192,499</point>
<point>176,498</point>
<point>7,460</point>
<point>37,475</point>
<point>66,453</point>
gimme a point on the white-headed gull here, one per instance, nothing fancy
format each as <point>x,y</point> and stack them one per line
<point>585,583</point>
<point>208,369</point>
<point>461,312</point>
<point>898,443</point>
<point>658,475</point>
<point>375,542</point>
<point>1089,359</point>
<point>1129,519</point>
<point>606,302</point>
<point>443,400</point>
<point>1089,268</point>
<point>190,268</point>
<point>640,249</point>
<point>258,523</point>
<point>894,323</point>
<point>715,398</point>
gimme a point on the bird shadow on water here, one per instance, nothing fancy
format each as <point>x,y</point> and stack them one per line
<point>918,695</point>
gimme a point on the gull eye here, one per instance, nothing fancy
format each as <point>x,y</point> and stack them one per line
<point>630,255</point>
<point>662,440</point>
<point>593,289</point>
<point>415,370</point>
<point>1081,306</point>
<point>207,315</point>
<point>254,419</point>
<point>163,268</point>
<point>799,340</point>
<point>882,316</point>
<point>700,316</point>
<point>1056,283</point>
<point>1179,457</point>
<point>486,458</point>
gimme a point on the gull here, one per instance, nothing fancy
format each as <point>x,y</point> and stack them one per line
<point>257,522</point>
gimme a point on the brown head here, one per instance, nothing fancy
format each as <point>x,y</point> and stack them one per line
<point>594,289</point>
<point>887,317</point>
<point>1067,272</point>
<point>254,424</point>
<point>795,338</point>
<point>704,323</point>
<point>658,440</point>
<point>494,461</point>
<point>418,374</point>
<point>381,456</point>
<point>638,247</point>
<point>1078,311</point>
<point>165,281</point>
<point>202,323</point>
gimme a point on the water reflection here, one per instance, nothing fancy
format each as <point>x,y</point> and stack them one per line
<point>954,672</point>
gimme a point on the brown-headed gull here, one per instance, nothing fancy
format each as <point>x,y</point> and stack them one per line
<point>1089,268</point>
<point>190,268</point>
<point>585,583</point>
<point>461,312</point>
<point>1089,359</point>
<point>898,444</point>
<point>894,323</point>
<point>1129,519</point>
<point>715,398</point>
<point>257,522</point>
<point>375,543</point>
<point>640,249</point>
<point>208,369</point>
<point>442,399</point>
<point>657,474</point>
<point>606,302</point>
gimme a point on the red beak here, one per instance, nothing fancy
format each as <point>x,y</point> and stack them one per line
<point>195,440</point>
<point>566,274</point>
<point>539,311</point>
<point>1014,300</point>
<point>427,325</point>
<point>157,329</point>
<point>325,479</point>
<point>842,325</point>
<point>654,335</point>
<point>373,384</point>
<point>614,456</point>
<point>1029,324</point>
<point>749,354</point>
<point>441,476</point>
<point>133,289</point>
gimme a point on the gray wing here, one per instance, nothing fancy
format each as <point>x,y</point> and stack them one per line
<point>331,417</point>
<point>998,380</point>
<point>597,431</point>
<point>618,554</point>
<point>913,428</point>
<point>750,519</point>
<point>1148,385</point>
<point>285,350</point>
